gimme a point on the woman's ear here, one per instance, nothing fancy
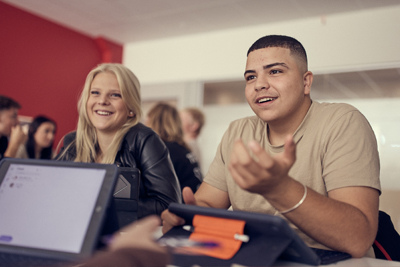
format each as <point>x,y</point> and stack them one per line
<point>131,114</point>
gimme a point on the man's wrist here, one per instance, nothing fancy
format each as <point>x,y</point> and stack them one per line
<point>279,190</point>
<point>286,195</point>
<point>298,203</point>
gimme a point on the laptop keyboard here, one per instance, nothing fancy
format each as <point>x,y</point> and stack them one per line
<point>329,256</point>
<point>14,260</point>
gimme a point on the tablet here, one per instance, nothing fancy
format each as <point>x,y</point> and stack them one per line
<point>51,209</point>
<point>270,238</point>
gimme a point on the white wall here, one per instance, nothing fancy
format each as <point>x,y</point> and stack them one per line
<point>366,39</point>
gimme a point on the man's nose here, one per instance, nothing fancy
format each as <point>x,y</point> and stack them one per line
<point>261,83</point>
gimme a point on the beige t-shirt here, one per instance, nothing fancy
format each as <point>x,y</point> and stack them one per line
<point>335,147</point>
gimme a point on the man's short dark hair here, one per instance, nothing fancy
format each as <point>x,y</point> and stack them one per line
<point>8,103</point>
<point>295,47</point>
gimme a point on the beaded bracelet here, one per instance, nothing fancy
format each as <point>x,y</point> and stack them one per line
<point>298,204</point>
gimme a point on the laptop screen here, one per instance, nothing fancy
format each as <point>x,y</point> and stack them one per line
<point>48,207</point>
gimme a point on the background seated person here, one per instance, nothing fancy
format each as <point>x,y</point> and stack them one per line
<point>193,120</point>
<point>165,121</point>
<point>315,164</point>
<point>109,131</point>
<point>11,133</point>
<point>41,135</point>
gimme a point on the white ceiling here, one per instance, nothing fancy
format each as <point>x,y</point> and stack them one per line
<point>125,21</point>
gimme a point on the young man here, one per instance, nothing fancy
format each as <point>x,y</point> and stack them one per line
<point>11,133</point>
<point>192,123</point>
<point>314,163</point>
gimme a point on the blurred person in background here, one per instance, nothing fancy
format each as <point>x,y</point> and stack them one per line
<point>165,121</point>
<point>41,135</point>
<point>11,133</point>
<point>192,122</point>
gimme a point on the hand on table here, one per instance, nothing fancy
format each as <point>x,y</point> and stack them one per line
<point>169,220</point>
<point>138,235</point>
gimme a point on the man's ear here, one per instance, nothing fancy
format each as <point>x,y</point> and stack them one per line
<point>307,81</point>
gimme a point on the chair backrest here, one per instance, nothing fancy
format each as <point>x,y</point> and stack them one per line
<point>387,241</point>
<point>126,195</point>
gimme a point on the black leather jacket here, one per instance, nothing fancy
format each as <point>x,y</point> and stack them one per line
<point>142,148</point>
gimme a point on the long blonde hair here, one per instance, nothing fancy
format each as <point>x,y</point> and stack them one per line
<point>86,137</point>
<point>164,119</point>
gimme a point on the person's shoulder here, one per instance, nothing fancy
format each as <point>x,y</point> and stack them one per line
<point>139,130</point>
<point>175,146</point>
<point>171,144</point>
<point>333,107</point>
<point>334,111</point>
<point>327,115</point>
<point>140,134</point>
<point>69,137</point>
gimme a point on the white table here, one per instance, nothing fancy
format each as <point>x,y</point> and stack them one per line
<point>362,262</point>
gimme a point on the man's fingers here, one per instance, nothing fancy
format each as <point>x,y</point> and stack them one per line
<point>264,159</point>
<point>238,176</point>
<point>188,196</point>
<point>170,220</point>
<point>289,153</point>
<point>240,155</point>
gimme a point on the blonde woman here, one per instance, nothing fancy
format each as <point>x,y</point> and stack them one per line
<point>109,131</point>
<point>164,119</point>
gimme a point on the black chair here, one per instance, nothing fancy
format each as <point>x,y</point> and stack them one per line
<point>124,206</point>
<point>126,195</point>
<point>387,242</point>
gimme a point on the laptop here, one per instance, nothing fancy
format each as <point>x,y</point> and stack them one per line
<point>52,212</point>
<point>270,240</point>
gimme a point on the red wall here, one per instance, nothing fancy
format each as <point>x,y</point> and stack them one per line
<point>44,65</point>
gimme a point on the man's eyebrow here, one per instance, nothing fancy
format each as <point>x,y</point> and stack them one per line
<point>249,71</point>
<point>268,67</point>
<point>275,64</point>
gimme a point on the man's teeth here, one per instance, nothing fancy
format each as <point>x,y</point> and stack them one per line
<point>265,99</point>
<point>103,112</point>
